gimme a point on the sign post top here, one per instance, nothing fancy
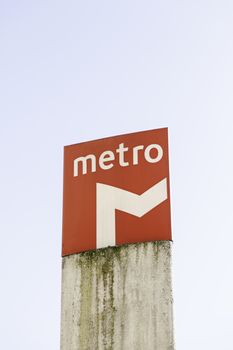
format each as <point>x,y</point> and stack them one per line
<point>116,191</point>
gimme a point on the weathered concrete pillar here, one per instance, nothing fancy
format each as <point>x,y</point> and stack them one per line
<point>118,298</point>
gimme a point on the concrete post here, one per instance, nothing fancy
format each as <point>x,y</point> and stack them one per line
<point>118,298</point>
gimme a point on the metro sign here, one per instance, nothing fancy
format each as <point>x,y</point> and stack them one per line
<point>116,191</point>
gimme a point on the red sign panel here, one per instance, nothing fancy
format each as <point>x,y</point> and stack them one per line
<point>116,191</point>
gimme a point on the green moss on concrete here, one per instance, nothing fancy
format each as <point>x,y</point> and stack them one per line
<point>85,305</point>
<point>92,256</point>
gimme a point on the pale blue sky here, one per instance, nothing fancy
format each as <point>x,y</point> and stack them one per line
<point>72,71</point>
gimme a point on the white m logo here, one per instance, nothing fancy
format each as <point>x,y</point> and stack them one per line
<point>110,198</point>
